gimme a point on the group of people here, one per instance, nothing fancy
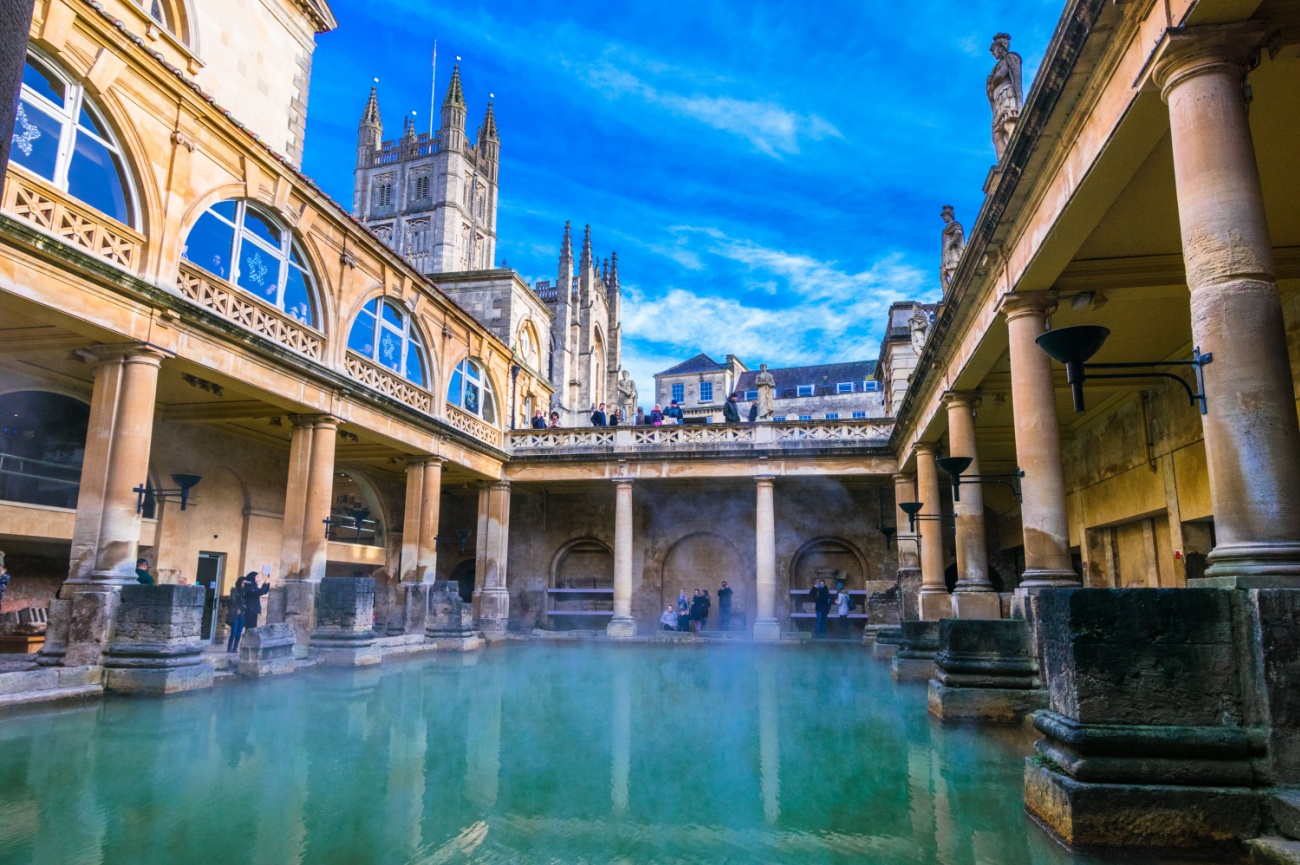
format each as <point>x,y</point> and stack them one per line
<point>692,614</point>
<point>655,417</point>
<point>243,607</point>
<point>823,601</point>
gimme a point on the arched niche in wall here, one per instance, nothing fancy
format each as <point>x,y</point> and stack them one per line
<point>585,563</point>
<point>703,560</point>
<point>830,559</point>
<point>356,512</point>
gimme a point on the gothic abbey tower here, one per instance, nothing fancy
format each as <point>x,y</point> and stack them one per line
<point>431,198</point>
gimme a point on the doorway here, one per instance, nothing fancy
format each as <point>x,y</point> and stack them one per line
<point>208,574</point>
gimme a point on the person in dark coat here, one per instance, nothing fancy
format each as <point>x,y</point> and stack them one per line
<point>538,421</point>
<point>753,411</point>
<point>253,598</point>
<point>4,578</point>
<point>235,616</point>
<point>142,575</point>
<point>656,416</point>
<point>821,598</point>
<point>598,417</point>
<point>640,417</point>
<point>674,412</point>
<point>724,606</point>
<point>731,410</point>
<point>708,605</point>
<point>697,611</point>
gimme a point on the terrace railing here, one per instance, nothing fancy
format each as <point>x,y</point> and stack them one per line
<point>694,438</point>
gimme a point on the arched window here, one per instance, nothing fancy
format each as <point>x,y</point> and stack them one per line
<point>388,336</point>
<point>528,345</point>
<point>240,242</point>
<point>169,14</point>
<point>60,135</point>
<point>471,389</point>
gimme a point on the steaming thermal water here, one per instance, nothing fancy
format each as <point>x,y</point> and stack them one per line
<point>528,754</point>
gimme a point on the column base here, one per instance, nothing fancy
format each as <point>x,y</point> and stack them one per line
<point>90,626</point>
<point>266,651</point>
<point>767,630</point>
<point>984,705</point>
<point>916,668</point>
<point>158,682</point>
<point>1253,566</point>
<point>493,610</point>
<point>887,643</point>
<point>976,605</point>
<point>300,613</point>
<point>56,634</point>
<point>1049,578</point>
<point>935,606</point>
<point>621,628</point>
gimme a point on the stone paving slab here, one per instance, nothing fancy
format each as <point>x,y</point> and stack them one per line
<point>1273,851</point>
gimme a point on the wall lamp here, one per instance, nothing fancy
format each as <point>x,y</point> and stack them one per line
<point>955,466</point>
<point>184,483</point>
<point>1072,346</point>
<point>914,515</point>
<point>462,535</point>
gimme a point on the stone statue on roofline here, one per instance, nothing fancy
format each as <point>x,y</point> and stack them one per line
<point>919,328</point>
<point>765,382</point>
<point>954,244</point>
<point>1004,91</point>
<point>627,397</point>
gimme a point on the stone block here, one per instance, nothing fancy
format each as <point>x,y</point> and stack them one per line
<point>1271,652</point>
<point>935,606</point>
<point>909,590</point>
<point>344,634</point>
<point>28,680</point>
<point>1140,656</point>
<point>914,660</point>
<point>1133,817</point>
<point>450,623</point>
<point>885,608</point>
<point>1007,706</point>
<point>984,672</point>
<point>299,610</point>
<point>1285,809</point>
<point>976,605</point>
<point>267,651</point>
<point>75,677</point>
<point>1273,851</point>
<point>56,633</point>
<point>887,643</point>
<point>156,647</point>
<point>90,626</point>
<point>493,610</point>
<point>621,628</point>
<point>415,608</point>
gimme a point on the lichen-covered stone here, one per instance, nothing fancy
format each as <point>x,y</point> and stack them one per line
<point>156,646</point>
<point>267,651</point>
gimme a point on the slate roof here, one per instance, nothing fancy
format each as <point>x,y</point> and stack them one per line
<point>824,377</point>
<point>700,363</point>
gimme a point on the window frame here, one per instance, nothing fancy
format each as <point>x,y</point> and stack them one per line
<point>677,392</point>
<point>487,398</point>
<point>751,395</point>
<point>844,387</point>
<point>706,386</point>
<point>802,390</point>
<point>408,336</point>
<point>75,100</point>
<point>289,247</point>
<point>859,415</point>
<point>805,417</point>
<point>832,415</point>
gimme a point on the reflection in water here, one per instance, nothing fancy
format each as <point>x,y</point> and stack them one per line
<point>630,754</point>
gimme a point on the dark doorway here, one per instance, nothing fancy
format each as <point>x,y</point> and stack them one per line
<point>464,574</point>
<point>208,575</point>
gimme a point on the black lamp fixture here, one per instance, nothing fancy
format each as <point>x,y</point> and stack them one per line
<point>955,467</point>
<point>887,531</point>
<point>358,519</point>
<point>462,535</point>
<point>1072,346</point>
<point>184,483</point>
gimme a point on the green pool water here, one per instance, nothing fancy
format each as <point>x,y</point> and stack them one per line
<point>526,754</point>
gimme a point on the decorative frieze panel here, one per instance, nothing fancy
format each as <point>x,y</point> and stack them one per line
<point>693,434</point>
<point>467,423</point>
<point>387,382</point>
<point>54,213</point>
<point>248,311</point>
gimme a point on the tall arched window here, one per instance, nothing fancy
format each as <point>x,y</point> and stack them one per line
<point>240,242</point>
<point>170,14</point>
<point>61,135</point>
<point>388,336</point>
<point>528,345</point>
<point>471,389</point>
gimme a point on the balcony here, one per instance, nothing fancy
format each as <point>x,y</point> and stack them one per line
<point>817,436</point>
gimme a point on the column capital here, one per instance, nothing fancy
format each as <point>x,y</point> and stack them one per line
<point>904,478</point>
<point>927,448</point>
<point>422,460</point>
<point>1019,303</point>
<point>764,480</point>
<point>310,421</point>
<point>623,481</point>
<point>138,352</point>
<point>1188,51</point>
<point>968,398</point>
<point>499,486</point>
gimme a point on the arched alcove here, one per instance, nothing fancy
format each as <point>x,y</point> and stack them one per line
<point>830,559</point>
<point>703,561</point>
<point>585,563</point>
<point>42,445</point>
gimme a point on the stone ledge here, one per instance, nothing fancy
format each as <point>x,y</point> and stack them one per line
<point>984,705</point>
<point>1273,851</point>
<point>50,695</point>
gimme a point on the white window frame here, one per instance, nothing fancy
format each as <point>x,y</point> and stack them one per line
<point>706,387</point>
<point>751,395</point>
<point>473,372</point>
<point>677,392</point>
<point>408,337</point>
<point>844,387</point>
<point>805,390</point>
<point>871,386</point>
<point>74,100</point>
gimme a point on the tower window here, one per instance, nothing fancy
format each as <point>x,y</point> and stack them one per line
<point>422,187</point>
<point>384,195</point>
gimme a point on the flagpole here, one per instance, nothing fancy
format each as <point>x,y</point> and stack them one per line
<point>433,87</point>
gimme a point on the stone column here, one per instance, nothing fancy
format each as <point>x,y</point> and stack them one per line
<point>1038,445</point>
<point>420,528</point>
<point>320,496</point>
<point>766,626</point>
<point>973,597</point>
<point>934,600</point>
<point>905,491</point>
<point>295,497</point>
<point>106,530</point>
<point>491,596</point>
<point>1251,435</point>
<point>622,626</point>
<point>308,494</point>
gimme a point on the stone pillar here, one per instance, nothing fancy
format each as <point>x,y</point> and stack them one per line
<point>1251,433</point>
<point>450,621</point>
<point>420,529</point>
<point>766,626</point>
<point>909,551</point>
<point>622,626</point>
<point>106,530</point>
<point>935,602</point>
<point>492,599</point>
<point>1038,445</point>
<point>344,634</point>
<point>973,597</point>
<point>155,647</point>
<point>308,495</point>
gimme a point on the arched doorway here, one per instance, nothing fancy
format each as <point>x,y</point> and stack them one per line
<point>42,445</point>
<point>356,515</point>
<point>703,561</point>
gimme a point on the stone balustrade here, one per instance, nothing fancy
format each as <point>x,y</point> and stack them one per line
<point>387,382</point>
<point>46,208</point>
<point>782,435</point>
<point>248,311</point>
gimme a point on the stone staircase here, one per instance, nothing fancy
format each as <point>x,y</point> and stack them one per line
<point>1284,848</point>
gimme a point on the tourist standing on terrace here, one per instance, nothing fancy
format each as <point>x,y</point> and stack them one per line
<point>142,575</point>
<point>724,604</point>
<point>539,420</point>
<point>616,417</point>
<point>669,618</point>
<point>753,412</point>
<point>656,415</point>
<point>4,578</point>
<point>235,616</point>
<point>555,420</point>
<point>640,416</point>
<point>253,598</point>
<point>731,410</point>
<point>675,412</point>
<point>598,417</point>
<point>821,597</point>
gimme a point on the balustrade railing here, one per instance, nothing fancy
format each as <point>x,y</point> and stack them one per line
<point>468,423</point>
<point>387,382</point>
<point>51,211</point>
<point>696,437</point>
<point>239,306</point>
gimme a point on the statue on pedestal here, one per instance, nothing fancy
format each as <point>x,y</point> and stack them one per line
<point>954,244</point>
<point>765,382</point>
<point>627,397</point>
<point>919,327</point>
<point>1004,91</point>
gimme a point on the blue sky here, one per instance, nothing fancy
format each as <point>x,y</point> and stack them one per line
<point>770,172</point>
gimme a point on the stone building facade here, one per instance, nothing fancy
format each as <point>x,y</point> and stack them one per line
<point>700,385</point>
